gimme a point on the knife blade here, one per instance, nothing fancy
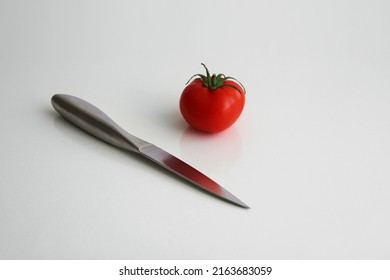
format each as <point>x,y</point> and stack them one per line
<point>94,121</point>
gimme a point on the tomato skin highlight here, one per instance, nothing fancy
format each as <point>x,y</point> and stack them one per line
<point>212,110</point>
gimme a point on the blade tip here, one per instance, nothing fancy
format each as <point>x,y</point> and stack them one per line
<point>245,206</point>
<point>242,204</point>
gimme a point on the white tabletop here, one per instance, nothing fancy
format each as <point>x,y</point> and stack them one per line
<point>310,154</point>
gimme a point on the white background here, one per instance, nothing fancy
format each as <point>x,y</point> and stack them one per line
<point>310,153</point>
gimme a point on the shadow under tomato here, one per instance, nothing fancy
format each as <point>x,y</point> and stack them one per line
<point>218,151</point>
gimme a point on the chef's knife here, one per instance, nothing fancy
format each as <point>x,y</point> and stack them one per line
<point>94,121</point>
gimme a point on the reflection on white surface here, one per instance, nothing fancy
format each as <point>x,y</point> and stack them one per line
<point>217,151</point>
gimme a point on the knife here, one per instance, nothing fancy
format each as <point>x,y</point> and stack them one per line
<point>94,121</point>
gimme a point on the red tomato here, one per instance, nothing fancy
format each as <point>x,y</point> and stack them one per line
<point>212,103</point>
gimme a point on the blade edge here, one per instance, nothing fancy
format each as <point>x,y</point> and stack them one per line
<point>189,173</point>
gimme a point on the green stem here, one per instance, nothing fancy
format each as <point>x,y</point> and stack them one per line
<point>216,81</point>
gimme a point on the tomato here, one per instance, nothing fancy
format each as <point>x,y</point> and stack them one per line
<point>212,103</point>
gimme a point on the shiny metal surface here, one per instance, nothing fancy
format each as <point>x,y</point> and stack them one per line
<point>94,121</point>
<point>189,173</point>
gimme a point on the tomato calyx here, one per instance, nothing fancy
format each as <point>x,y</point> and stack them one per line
<point>216,81</point>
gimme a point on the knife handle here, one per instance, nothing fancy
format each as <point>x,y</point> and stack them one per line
<point>94,121</point>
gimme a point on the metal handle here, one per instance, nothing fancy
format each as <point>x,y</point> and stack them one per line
<point>94,121</point>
